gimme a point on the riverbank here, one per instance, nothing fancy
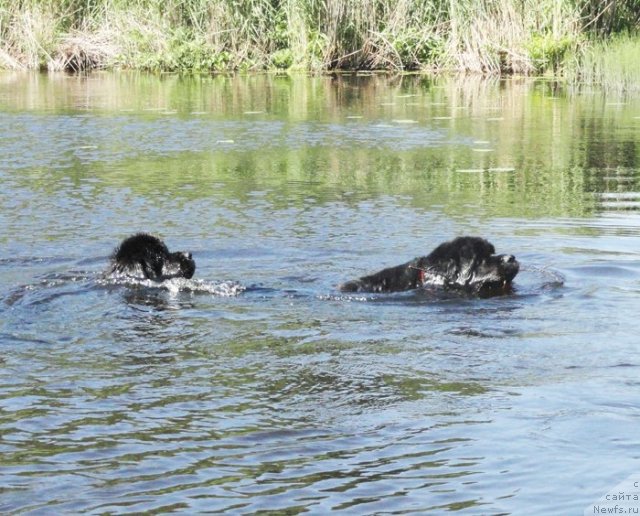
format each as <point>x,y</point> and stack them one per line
<point>576,39</point>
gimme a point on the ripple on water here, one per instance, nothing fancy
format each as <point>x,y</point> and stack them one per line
<point>128,137</point>
<point>203,395</point>
<point>141,460</point>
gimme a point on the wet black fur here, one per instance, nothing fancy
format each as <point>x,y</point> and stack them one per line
<point>148,255</point>
<point>468,263</point>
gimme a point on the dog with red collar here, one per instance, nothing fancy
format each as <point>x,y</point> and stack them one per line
<point>466,263</point>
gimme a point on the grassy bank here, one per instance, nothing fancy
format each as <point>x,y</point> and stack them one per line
<point>613,63</point>
<point>505,36</point>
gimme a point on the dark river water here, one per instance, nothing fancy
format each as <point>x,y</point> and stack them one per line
<point>257,387</point>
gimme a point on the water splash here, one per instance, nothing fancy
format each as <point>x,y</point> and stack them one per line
<point>177,285</point>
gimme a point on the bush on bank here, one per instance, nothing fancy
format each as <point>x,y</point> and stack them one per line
<point>556,37</point>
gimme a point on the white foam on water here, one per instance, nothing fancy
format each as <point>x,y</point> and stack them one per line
<point>177,285</point>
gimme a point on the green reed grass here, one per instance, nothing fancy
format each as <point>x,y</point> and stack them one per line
<point>485,36</point>
<point>613,63</point>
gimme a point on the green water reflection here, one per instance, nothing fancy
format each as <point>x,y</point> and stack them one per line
<point>465,146</point>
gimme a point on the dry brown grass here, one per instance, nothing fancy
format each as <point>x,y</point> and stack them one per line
<point>27,37</point>
<point>81,51</point>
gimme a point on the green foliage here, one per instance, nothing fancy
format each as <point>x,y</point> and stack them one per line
<point>417,49</point>
<point>612,63</point>
<point>317,49</point>
<point>184,52</point>
<point>279,35</point>
<point>282,58</point>
<point>189,52</point>
<point>500,36</point>
<point>547,52</point>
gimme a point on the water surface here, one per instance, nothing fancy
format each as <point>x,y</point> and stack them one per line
<point>289,396</point>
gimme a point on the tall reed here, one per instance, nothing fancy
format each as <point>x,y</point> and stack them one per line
<point>485,36</point>
<point>612,63</point>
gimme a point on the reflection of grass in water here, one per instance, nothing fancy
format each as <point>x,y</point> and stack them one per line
<point>550,148</point>
<point>330,176</point>
<point>418,388</point>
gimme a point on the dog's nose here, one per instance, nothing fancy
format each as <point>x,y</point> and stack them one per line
<point>189,256</point>
<point>508,258</point>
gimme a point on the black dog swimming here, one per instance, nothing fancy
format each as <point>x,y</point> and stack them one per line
<point>465,263</point>
<point>146,255</point>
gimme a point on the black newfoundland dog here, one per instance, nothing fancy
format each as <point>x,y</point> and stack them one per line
<point>146,255</point>
<point>465,263</point>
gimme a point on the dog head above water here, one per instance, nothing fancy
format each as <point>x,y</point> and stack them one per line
<point>146,255</point>
<point>469,263</point>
